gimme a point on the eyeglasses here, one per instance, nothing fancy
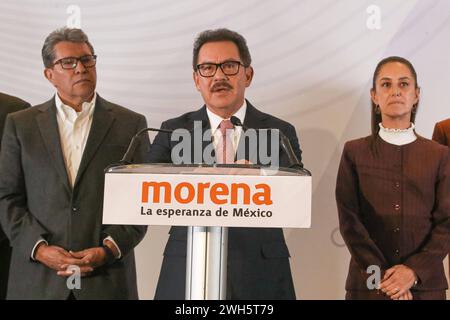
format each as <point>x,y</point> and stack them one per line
<point>71,62</point>
<point>229,68</point>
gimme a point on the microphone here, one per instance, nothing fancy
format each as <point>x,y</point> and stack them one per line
<point>285,145</point>
<point>128,156</point>
<point>237,122</point>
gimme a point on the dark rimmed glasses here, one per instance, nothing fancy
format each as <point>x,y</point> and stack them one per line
<point>69,63</point>
<point>229,68</point>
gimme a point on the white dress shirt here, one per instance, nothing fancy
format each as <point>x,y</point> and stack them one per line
<point>74,130</point>
<point>215,120</point>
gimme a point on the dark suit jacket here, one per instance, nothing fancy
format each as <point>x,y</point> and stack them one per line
<point>394,208</point>
<point>8,104</point>
<point>37,201</point>
<point>258,258</point>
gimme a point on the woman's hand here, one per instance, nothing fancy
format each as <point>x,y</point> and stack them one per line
<point>397,281</point>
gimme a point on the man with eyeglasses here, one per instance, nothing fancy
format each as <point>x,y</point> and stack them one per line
<point>51,184</point>
<point>258,258</point>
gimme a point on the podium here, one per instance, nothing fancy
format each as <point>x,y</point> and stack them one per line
<point>207,199</point>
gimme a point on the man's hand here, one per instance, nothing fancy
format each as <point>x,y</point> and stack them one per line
<point>93,257</point>
<point>58,259</point>
<point>397,281</point>
<point>87,259</point>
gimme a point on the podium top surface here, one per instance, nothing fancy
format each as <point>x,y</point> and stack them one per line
<point>203,169</point>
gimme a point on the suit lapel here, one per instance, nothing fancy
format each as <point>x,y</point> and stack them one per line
<point>101,123</point>
<point>198,132</point>
<point>254,119</point>
<point>48,126</point>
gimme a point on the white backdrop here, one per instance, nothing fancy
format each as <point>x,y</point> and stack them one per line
<point>313,62</point>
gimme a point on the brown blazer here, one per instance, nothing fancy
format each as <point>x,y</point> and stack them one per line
<point>394,209</point>
<point>441,134</point>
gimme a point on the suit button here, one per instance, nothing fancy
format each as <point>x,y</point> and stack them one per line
<point>397,207</point>
<point>396,230</point>
<point>397,252</point>
<point>74,209</point>
<point>397,184</point>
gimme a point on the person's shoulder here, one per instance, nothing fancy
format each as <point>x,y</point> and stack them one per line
<point>186,120</point>
<point>10,103</point>
<point>359,144</point>
<point>429,145</point>
<point>29,113</point>
<point>432,149</point>
<point>444,124</point>
<point>118,109</point>
<point>269,118</point>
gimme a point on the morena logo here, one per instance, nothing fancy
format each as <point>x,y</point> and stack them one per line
<point>217,193</point>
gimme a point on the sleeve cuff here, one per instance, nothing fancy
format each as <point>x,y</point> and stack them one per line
<point>115,244</point>
<point>35,246</point>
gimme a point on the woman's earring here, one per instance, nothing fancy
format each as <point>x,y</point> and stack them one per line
<point>377,109</point>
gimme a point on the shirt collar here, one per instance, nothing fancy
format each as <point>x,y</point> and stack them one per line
<point>215,120</point>
<point>67,112</point>
<point>397,137</point>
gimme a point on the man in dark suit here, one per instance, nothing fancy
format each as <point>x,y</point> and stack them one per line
<point>8,104</point>
<point>52,179</point>
<point>258,258</point>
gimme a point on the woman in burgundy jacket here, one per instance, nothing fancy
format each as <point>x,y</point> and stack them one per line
<point>392,197</point>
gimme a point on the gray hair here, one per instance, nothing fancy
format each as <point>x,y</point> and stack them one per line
<point>222,34</point>
<point>59,35</point>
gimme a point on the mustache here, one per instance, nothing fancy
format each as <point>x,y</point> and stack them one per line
<point>221,85</point>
